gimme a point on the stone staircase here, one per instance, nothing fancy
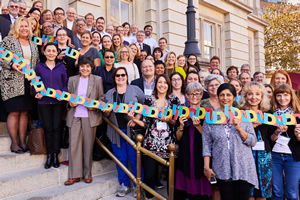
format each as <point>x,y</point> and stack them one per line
<point>22,176</point>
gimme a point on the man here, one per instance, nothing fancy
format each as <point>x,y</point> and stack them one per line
<point>120,31</point>
<point>110,30</point>
<point>100,23</point>
<point>69,22</point>
<point>134,30</point>
<point>4,28</point>
<point>80,28</point>
<point>147,82</point>
<point>115,27</point>
<point>162,42</point>
<point>89,18</point>
<point>140,36</point>
<point>214,63</point>
<point>244,78</point>
<point>59,17</point>
<point>22,8</point>
<point>4,10</point>
<point>13,11</point>
<point>48,29</point>
<point>259,77</point>
<point>246,68</point>
<point>47,16</point>
<point>148,39</point>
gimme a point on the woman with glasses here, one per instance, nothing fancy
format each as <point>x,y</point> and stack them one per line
<point>192,60</point>
<point>106,44</point>
<point>211,84</point>
<point>125,57</point>
<point>34,12</point>
<point>178,88</point>
<point>190,180</point>
<point>123,93</point>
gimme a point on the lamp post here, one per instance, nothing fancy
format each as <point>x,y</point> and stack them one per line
<point>191,45</point>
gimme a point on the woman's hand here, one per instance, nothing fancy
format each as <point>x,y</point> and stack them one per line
<point>72,46</point>
<point>15,67</point>
<point>236,123</point>
<point>131,123</point>
<point>61,55</point>
<point>90,108</point>
<point>208,172</point>
<point>131,115</point>
<point>181,121</point>
<point>256,124</point>
<point>297,131</point>
<point>281,129</point>
<point>38,96</point>
<point>196,121</point>
<point>73,104</point>
<point>107,112</point>
<point>169,120</point>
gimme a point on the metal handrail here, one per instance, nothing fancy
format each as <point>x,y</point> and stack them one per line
<point>138,147</point>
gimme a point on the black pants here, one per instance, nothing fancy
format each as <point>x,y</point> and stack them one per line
<point>234,190</point>
<point>51,115</point>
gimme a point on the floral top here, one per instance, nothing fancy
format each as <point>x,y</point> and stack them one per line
<point>157,141</point>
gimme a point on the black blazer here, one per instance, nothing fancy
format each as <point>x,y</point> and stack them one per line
<point>146,47</point>
<point>76,42</point>
<point>139,82</point>
<point>6,16</point>
<point>70,34</point>
<point>4,27</point>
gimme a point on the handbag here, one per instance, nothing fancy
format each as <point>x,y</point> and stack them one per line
<point>36,139</point>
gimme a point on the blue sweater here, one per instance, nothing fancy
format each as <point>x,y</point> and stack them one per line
<point>55,78</point>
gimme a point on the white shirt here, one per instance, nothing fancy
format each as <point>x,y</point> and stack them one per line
<point>132,70</point>
<point>164,55</point>
<point>151,42</point>
<point>129,39</point>
<point>12,18</point>
<point>69,24</point>
<point>104,33</point>
<point>140,46</point>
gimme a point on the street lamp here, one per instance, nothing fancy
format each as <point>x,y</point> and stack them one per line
<point>191,45</point>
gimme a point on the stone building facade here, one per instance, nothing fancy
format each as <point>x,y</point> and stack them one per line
<point>230,29</point>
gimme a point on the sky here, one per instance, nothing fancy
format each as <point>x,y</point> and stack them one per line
<point>294,1</point>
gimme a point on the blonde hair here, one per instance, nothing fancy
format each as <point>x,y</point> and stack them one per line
<point>282,88</point>
<point>130,57</point>
<point>264,105</point>
<point>138,50</point>
<point>36,31</point>
<point>14,31</point>
<point>167,56</point>
<point>185,67</point>
<point>114,48</point>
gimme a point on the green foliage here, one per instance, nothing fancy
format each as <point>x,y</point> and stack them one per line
<point>282,37</point>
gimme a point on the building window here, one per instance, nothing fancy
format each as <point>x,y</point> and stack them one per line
<point>208,40</point>
<point>119,10</point>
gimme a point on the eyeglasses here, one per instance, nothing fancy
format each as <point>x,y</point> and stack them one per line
<point>195,94</point>
<point>122,75</point>
<point>22,8</point>
<point>176,79</point>
<point>61,35</point>
<point>45,27</point>
<point>109,57</point>
<point>124,52</point>
<point>80,25</point>
<point>11,6</point>
<point>216,85</point>
<point>59,14</point>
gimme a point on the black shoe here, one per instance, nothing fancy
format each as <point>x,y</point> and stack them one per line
<point>49,161</point>
<point>55,160</point>
<point>159,185</point>
<point>25,149</point>
<point>19,151</point>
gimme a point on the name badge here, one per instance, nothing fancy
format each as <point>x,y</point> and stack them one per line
<point>283,140</point>
<point>161,126</point>
<point>260,146</point>
<point>148,92</point>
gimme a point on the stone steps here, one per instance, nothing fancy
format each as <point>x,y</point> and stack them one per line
<point>4,143</point>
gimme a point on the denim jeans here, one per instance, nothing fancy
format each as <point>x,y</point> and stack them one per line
<point>291,168</point>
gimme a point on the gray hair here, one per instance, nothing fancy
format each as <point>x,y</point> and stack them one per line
<point>140,31</point>
<point>192,87</point>
<point>80,19</point>
<point>244,73</point>
<point>211,77</point>
<point>245,65</point>
<point>13,1</point>
<point>22,1</point>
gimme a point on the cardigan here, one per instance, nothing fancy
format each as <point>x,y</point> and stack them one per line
<point>236,162</point>
<point>134,94</point>
<point>11,81</point>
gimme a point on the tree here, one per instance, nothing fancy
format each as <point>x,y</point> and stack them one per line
<point>282,37</point>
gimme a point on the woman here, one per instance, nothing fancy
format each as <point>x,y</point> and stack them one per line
<point>117,41</point>
<point>86,39</point>
<point>136,55</point>
<point>38,4</point>
<point>254,97</point>
<point>178,88</point>
<point>125,56</point>
<point>192,68</point>
<point>280,77</point>
<point>34,27</point>
<point>192,60</point>
<point>107,70</point>
<point>83,121</point>
<point>232,72</point>
<point>270,90</point>
<point>157,53</point>
<point>211,84</point>
<point>286,151</point>
<point>238,87</point>
<point>216,72</point>
<point>170,61</point>
<point>123,93</point>
<point>229,145</point>
<point>106,44</point>
<point>160,68</point>
<point>181,62</point>
<point>192,77</point>
<point>54,76</point>
<point>96,40</point>
<point>160,132</point>
<point>127,33</point>
<point>63,43</point>
<point>189,175</point>
<point>35,13</point>
<point>15,89</point>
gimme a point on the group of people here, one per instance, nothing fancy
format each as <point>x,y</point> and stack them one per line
<point>236,160</point>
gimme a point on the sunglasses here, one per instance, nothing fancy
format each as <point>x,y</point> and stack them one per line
<point>14,6</point>
<point>111,57</point>
<point>122,75</point>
